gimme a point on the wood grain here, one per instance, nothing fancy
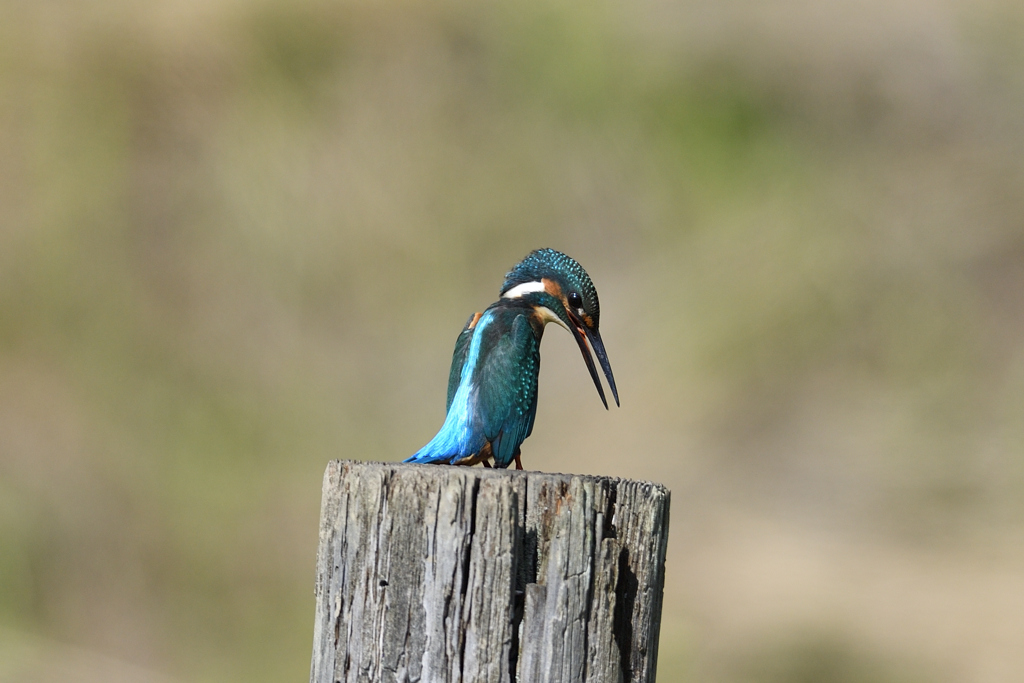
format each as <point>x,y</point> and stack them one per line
<point>450,574</point>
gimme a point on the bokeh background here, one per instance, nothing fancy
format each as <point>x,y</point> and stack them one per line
<point>239,238</point>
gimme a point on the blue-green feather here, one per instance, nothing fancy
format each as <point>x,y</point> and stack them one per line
<point>458,360</point>
<point>492,387</point>
<point>508,399</point>
<point>492,384</point>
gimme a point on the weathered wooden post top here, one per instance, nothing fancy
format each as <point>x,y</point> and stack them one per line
<point>444,574</point>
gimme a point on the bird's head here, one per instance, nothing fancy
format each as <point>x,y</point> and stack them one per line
<point>561,291</point>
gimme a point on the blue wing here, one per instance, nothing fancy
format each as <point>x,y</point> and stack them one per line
<point>460,436</point>
<point>508,391</point>
<point>492,390</point>
<point>459,359</point>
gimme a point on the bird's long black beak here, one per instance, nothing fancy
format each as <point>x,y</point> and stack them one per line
<point>578,331</point>
<point>602,358</point>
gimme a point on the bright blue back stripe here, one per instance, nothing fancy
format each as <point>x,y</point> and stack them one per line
<point>455,439</point>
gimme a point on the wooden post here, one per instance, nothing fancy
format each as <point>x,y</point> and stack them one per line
<point>452,574</point>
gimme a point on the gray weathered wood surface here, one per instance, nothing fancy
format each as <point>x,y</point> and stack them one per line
<point>452,574</point>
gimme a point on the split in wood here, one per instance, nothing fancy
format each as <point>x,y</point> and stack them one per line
<point>446,574</point>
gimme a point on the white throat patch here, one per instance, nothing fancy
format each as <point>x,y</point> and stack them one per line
<point>525,288</point>
<point>548,316</point>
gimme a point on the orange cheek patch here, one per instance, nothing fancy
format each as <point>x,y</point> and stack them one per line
<point>552,288</point>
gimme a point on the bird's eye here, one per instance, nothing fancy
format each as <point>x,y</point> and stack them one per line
<point>575,300</point>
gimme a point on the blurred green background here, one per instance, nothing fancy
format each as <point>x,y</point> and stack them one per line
<point>238,239</point>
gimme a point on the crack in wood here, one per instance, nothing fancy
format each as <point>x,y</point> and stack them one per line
<point>432,573</point>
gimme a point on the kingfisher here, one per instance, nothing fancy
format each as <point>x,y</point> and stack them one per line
<point>492,384</point>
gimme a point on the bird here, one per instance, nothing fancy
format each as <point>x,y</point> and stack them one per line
<point>492,384</point>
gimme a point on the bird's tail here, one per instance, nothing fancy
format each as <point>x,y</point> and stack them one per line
<point>425,455</point>
<point>448,446</point>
